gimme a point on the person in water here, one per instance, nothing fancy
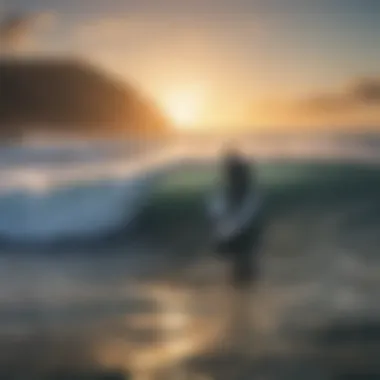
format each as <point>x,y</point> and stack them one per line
<point>238,226</point>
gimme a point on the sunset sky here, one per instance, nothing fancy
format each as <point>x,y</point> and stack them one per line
<point>223,63</point>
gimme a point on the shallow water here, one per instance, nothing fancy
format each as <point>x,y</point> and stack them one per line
<point>160,306</point>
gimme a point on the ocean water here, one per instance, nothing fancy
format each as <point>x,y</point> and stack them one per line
<point>60,190</point>
<point>158,305</point>
<point>55,190</point>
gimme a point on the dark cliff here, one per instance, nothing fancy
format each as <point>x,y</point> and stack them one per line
<point>74,97</point>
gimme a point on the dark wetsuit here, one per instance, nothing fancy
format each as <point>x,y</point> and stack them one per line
<point>243,248</point>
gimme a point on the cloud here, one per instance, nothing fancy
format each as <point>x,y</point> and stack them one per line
<point>360,94</point>
<point>14,29</point>
<point>366,91</point>
<point>19,30</point>
<point>356,105</point>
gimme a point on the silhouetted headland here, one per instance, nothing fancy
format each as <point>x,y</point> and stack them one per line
<point>72,96</point>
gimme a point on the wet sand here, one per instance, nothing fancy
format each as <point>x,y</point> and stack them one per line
<point>159,307</point>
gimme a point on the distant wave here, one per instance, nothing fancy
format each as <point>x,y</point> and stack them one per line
<point>65,191</point>
<point>56,190</point>
<point>364,148</point>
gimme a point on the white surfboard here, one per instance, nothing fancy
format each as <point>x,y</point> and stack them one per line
<point>227,223</point>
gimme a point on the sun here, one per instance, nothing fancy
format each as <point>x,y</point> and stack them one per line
<point>184,107</point>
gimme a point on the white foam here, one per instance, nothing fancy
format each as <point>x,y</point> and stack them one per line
<point>46,200</point>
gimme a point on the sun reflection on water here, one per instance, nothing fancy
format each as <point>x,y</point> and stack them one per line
<point>182,325</point>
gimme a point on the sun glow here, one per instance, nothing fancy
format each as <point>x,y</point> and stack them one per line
<point>184,107</point>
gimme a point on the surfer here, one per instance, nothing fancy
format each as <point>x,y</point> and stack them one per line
<point>236,218</point>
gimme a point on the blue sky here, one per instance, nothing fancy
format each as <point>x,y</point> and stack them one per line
<point>247,51</point>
